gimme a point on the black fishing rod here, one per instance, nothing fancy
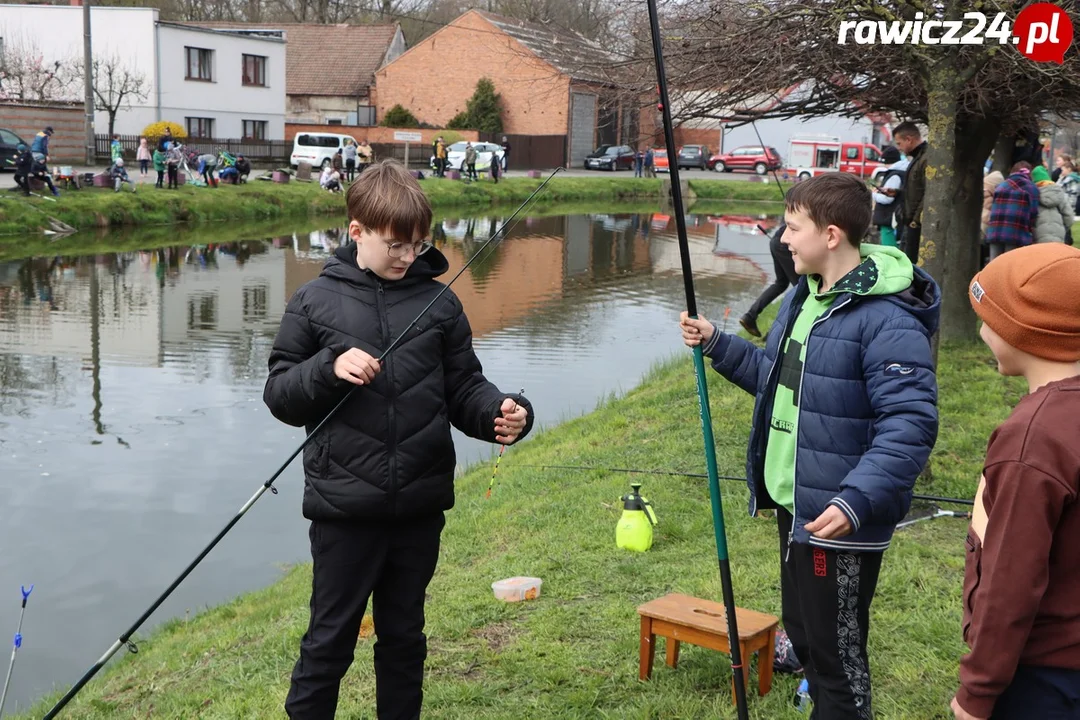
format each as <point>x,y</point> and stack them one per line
<point>125,639</point>
<point>676,473</point>
<point>737,668</point>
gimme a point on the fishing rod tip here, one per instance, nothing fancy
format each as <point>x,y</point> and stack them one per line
<point>25,592</point>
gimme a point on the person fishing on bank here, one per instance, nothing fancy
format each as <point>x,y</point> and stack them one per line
<point>844,421</point>
<point>380,475</point>
<point>1021,615</point>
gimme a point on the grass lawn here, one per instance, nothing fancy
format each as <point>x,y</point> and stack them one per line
<point>573,652</point>
<point>258,200</point>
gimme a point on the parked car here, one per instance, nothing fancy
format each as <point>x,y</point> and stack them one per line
<point>610,157</point>
<point>694,156</point>
<point>317,148</point>
<point>660,161</point>
<point>455,155</point>
<point>748,157</point>
<point>9,143</point>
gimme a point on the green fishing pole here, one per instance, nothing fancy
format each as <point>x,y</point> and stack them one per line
<point>737,669</point>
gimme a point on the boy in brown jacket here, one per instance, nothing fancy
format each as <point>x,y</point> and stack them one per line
<point>1022,575</point>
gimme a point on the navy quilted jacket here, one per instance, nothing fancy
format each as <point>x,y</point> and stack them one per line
<point>867,406</point>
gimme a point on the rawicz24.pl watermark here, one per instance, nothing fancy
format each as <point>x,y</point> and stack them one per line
<point>1042,32</point>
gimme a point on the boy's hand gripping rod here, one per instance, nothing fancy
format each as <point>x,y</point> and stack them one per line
<point>125,639</point>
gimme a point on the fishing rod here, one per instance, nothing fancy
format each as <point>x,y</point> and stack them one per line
<point>17,645</point>
<point>737,668</point>
<point>676,473</point>
<point>125,639</point>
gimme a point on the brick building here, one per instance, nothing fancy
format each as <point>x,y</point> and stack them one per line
<point>551,83</point>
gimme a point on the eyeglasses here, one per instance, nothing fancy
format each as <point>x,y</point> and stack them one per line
<point>400,249</point>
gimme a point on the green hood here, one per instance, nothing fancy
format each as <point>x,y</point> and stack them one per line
<point>884,271</point>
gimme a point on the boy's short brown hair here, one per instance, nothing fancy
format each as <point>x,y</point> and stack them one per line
<point>837,198</point>
<point>387,197</point>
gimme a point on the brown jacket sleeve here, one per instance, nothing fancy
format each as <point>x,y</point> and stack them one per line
<point>1005,576</point>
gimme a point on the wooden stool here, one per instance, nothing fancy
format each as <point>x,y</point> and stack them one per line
<point>681,618</point>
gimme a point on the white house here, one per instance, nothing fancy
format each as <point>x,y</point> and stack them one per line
<point>213,82</point>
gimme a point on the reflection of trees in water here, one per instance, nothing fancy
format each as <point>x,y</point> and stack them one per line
<point>27,382</point>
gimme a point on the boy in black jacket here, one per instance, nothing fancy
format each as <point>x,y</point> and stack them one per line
<point>379,475</point>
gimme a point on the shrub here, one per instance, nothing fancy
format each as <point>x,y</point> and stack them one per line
<point>154,131</point>
<point>399,117</point>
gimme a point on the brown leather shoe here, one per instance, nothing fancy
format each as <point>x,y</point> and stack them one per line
<point>750,325</point>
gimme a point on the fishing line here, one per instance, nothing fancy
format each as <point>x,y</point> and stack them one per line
<point>125,639</point>
<point>676,473</point>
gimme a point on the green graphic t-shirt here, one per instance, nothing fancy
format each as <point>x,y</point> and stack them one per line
<point>884,270</point>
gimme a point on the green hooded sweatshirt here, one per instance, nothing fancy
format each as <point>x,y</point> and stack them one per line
<point>883,271</point>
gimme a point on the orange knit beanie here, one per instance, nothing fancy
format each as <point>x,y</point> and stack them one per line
<point>1030,296</point>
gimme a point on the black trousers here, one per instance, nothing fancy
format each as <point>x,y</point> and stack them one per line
<point>1040,692</point>
<point>391,561</point>
<point>909,242</point>
<point>784,269</point>
<point>825,601</point>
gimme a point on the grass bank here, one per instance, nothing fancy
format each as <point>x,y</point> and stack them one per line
<point>100,207</point>
<point>573,652</point>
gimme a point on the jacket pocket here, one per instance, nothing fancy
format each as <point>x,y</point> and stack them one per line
<point>317,455</point>
<point>972,577</point>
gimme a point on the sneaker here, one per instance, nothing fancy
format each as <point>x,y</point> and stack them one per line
<point>750,325</point>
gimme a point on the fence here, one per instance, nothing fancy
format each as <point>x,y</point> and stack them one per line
<point>259,152</point>
<point>532,152</point>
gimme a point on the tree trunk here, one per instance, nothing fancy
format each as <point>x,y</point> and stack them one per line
<point>112,123</point>
<point>1003,150</point>
<point>963,249</point>
<point>937,211</point>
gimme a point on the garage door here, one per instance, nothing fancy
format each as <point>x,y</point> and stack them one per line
<point>582,127</point>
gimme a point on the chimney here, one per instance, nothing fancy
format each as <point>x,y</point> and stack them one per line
<point>76,3</point>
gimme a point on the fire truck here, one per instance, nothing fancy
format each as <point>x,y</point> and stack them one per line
<point>813,155</point>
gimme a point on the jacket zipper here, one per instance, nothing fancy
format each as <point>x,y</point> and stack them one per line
<point>798,417</point>
<point>391,395</point>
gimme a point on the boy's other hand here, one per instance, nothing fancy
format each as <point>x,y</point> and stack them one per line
<point>356,366</point>
<point>695,332</point>
<point>512,422</point>
<point>832,523</point>
<point>962,714</point>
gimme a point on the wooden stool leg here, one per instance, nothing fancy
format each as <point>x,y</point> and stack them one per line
<point>765,662</point>
<point>673,652</point>
<point>745,671</point>
<point>648,646</point>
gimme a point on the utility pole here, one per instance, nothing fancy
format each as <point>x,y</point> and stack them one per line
<point>88,85</point>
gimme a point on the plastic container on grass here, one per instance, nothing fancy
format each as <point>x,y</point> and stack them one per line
<point>516,589</point>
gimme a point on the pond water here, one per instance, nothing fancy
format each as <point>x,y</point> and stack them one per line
<point>132,425</point>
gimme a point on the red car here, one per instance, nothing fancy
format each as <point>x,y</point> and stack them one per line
<point>748,157</point>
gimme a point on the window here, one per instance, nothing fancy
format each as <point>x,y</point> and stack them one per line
<point>199,62</point>
<point>872,154</point>
<point>334,121</point>
<point>9,138</point>
<point>853,153</point>
<point>200,127</point>
<point>330,141</point>
<point>255,70</point>
<point>254,129</point>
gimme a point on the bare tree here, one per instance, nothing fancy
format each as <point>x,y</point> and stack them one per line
<point>26,75</point>
<point>116,84</point>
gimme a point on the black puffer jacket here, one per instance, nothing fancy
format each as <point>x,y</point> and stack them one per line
<point>388,452</point>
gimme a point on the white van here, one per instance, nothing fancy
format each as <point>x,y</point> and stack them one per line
<point>317,148</point>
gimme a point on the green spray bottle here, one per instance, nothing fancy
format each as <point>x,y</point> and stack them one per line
<point>635,528</point>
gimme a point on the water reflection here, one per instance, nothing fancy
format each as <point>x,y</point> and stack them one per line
<point>131,415</point>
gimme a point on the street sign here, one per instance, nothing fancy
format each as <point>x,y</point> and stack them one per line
<point>407,136</point>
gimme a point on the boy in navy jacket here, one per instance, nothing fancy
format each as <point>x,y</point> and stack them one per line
<point>844,422</point>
